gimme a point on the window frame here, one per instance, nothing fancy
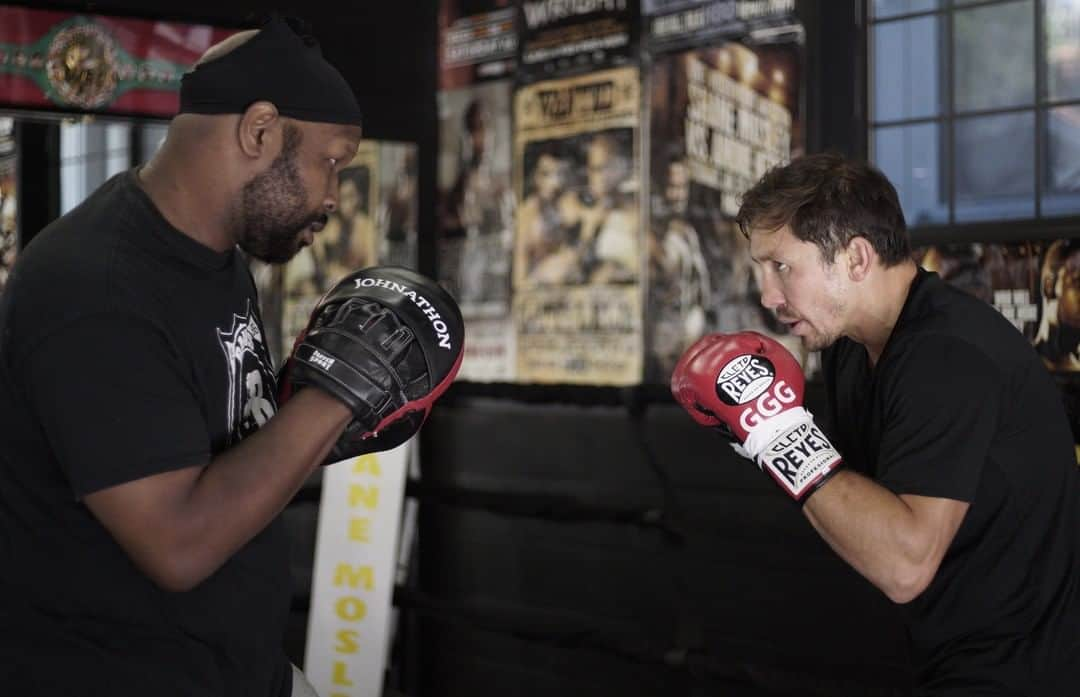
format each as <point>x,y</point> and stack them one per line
<point>1036,227</point>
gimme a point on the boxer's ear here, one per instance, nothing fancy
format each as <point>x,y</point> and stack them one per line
<point>858,258</point>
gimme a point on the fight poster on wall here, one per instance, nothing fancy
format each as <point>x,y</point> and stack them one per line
<point>671,25</point>
<point>561,38</point>
<point>577,249</point>
<point>720,117</point>
<point>1034,284</point>
<point>9,212</point>
<point>374,223</point>
<point>73,62</point>
<point>396,207</point>
<point>477,42</point>
<point>476,199</point>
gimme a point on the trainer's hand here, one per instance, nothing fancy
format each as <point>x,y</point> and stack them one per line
<point>387,342</point>
<point>751,388</point>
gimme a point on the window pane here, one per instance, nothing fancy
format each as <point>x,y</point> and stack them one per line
<point>891,8</point>
<point>995,56</point>
<point>906,69</point>
<point>910,157</point>
<point>1062,194</point>
<point>117,148</point>
<point>90,153</point>
<point>152,135</point>
<point>1062,25</point>
<point>995,167</point>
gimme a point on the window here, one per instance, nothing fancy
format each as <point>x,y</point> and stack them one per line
<point>151,135</point>
<point>975,107</point>
<point>93,151</point>
<point>90,153</point>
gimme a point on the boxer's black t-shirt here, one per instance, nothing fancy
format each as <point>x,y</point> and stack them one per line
<point>959,406</point>
<point>127,349</point>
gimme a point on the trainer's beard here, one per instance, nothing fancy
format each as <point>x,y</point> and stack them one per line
<point>273,208</point>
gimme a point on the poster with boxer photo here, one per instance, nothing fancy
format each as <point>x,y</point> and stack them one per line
<point>9,218</point>
<point>1057,338</point>
<point>477,42</point>
<point>720,117</point>
<point>577,244</point>
<point>374,223</point>
<point>476,221</point>
<point>478,51</point>
<point>396,210</point>
<point>672,25</point>
<point>560,39</point>
<point>1034,284</point>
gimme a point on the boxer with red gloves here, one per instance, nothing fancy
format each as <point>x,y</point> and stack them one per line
<point>751,388</point>
<point>959,494</point>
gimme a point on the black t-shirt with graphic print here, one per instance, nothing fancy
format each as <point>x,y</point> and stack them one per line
<point>959,406</point>
<point>127,349</point>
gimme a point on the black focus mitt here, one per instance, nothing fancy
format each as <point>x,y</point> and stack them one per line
<point>387,342</point>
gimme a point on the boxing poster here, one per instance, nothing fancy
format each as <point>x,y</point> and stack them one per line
<point>1034,284</point>
<point>560,38</point>
<point>476,222</point>
<point>9,218</point>
<point>577,245</point>
<point>374,223</point>
<point>477,42</point>
<point>720,117</point>
<point>475,199</point>
<point>396,211</point>
<point>671,25</point>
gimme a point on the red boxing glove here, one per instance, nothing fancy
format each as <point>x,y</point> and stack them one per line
<point>751,387</point>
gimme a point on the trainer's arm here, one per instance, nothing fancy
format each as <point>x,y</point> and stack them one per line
<point>181,526</point>
<point>896,541</point>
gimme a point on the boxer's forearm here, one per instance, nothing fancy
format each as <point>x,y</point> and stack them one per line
<point>896,542</point>
<point>245,487</point>
<point>179,527</point>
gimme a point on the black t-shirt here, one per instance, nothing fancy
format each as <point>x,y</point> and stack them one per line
<point>127,349</point>
<point>959,406</point>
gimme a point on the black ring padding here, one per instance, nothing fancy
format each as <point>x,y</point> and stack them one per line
<point>565,629</point>
<point>544,506</point>
<point>557,393</point>
<point>570,630</point>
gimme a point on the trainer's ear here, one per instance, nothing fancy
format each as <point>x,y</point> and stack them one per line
<point>859,258</point>
<point>259,127</point>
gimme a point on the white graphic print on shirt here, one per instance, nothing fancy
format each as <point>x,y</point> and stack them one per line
<point>252,384</point>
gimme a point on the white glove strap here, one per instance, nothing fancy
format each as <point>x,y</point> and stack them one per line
<point>759,437</point>
<point>799,456</point>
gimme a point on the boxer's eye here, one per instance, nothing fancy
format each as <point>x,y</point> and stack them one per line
<point>781,267</point>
